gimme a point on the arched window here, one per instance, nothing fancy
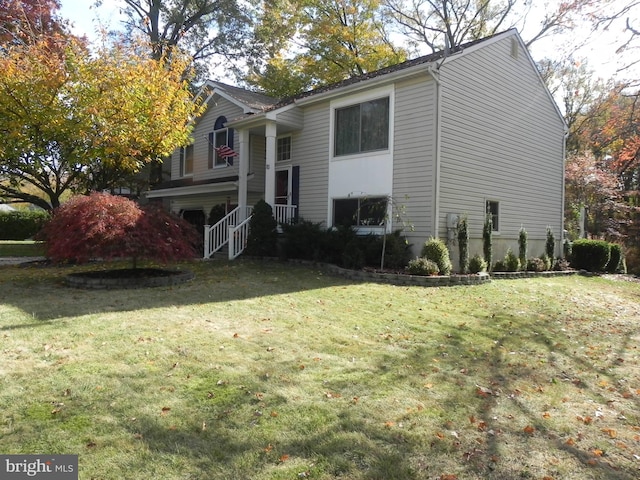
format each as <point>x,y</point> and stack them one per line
<point>220,136</point>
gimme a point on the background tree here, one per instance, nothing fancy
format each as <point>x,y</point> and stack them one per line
<point>437,24</point>
<point>592,187</point>
<point>73,121</point>
<point>332,39</point>
<point>212,32</point>
<point>24,20</point>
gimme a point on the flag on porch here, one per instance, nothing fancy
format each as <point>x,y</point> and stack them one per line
<point>226,151</point>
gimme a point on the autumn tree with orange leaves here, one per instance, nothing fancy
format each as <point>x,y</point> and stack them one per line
<point>75,121</point>
<point>23,21</point>
<point>609,169</point>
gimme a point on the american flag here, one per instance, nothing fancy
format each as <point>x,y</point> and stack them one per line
<point>226,151</point>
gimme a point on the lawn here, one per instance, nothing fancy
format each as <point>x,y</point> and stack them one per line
<point>271,371</point>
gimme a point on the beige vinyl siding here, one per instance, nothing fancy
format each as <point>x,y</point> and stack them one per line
<point>311,149</point>
<point>502,140</point>
<point>175,164</point>
<point>413,157</point>
<point>218,106</point>
<point>258,145</point>
<point>293,117</point>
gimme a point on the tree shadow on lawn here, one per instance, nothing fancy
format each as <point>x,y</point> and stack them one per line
<point>42,294</point>
<point>247,429</point>
<point>501,392</point>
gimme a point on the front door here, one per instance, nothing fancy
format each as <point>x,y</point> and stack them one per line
<point>283,186</point>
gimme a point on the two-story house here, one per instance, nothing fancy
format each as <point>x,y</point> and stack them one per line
<point>471,132</point>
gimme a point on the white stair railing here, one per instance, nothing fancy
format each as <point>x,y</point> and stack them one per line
<point>216,236</point>
<point>284,213</point>
<point>238,236</point>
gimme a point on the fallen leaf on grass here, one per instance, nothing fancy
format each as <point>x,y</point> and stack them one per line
<point>570,442</point>
<point>483,391</point>
<point>283,458</point>
<point>546,415</point>
<point>586,420</point>
<point>529,429</point>
<point>448,477</point>
<point>165,410</point>
<point>611,432</point>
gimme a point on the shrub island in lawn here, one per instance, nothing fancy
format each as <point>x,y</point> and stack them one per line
<point>111,227</point>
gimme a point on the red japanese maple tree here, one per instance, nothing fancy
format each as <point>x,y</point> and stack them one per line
<point>107,226</point>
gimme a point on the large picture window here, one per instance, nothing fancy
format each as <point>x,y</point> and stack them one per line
<point>362,128</point>
<point>359,212</point>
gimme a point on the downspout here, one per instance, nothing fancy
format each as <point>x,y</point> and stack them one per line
<point>435,74</point>
<point>564,165</point>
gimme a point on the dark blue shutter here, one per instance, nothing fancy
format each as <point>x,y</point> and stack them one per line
<point>295,189</point>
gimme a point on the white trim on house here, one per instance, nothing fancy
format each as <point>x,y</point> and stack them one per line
<point>193,189</point>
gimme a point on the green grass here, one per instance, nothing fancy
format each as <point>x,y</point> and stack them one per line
<point>270,371</point>
<point>26,248</point>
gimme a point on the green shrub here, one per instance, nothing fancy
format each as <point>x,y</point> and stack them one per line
<point>422,266</point>
<point>334,242</point>
<point>550,245</point>
<point>536,265</point>
<point>353,256</point>
<point>397,251</point>
<point>511,262</point>
<point>590,255</point>
<point>522,247</point>
<point>217,213</point>
<point>434,249</point>
<point>615,260</point>
<point>566,248</point>
<point>477,264</point>
<point>463,244</point>
<point>499,266</point>
<point>487,240</point>
<point>303,240</point>
<point>561,265</point>
<point>547,261</point>
<point>262,231</point>
<point>21,224</point>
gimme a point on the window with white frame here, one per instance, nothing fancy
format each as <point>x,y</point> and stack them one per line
<point>220,137</point>
<point>363,127</point>
<point>493,210</point>
<point>359,212</point>
<point>186,160</point>
<point>283,152</point>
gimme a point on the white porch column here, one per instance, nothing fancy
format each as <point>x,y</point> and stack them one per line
<point>270,166</point>
<point>243,171</point>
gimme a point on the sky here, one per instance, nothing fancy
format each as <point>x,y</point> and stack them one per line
<point>599,50</point>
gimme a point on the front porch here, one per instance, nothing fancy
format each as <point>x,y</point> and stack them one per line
<point>233,229</point>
